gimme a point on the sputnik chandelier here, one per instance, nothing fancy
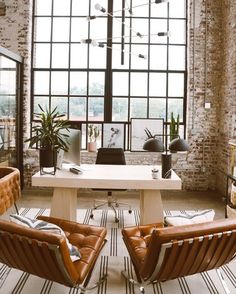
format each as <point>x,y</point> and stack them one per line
<point>135,34</point>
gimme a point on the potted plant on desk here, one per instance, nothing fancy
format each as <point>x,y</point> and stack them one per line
<point>93,134</point>
<point>48,136</point>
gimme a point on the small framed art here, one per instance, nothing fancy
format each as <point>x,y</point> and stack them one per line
<point>138,134</point>
<point>113,135</point>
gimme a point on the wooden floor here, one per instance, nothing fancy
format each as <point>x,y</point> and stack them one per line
<point>172,200</point>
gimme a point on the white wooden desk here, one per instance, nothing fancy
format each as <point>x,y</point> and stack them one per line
<point>139,177</point>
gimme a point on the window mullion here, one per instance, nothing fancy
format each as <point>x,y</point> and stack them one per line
<point>108,73</point>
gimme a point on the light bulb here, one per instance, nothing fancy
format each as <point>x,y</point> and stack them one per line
<point>139,34</point>
<point>91,17</point>
<point>94,43</point>
<point>142,56</point>
<point>161,1</point>
<point>100,8</point>
<point>163,34</point>
<point>86,41</point>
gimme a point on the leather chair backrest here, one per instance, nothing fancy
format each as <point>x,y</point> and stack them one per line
<point>10,190</point>
<point>185,250</point>
<point>111,156</point>
<point>36,252</point>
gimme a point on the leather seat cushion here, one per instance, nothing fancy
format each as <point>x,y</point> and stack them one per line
<point>88,239</point>
<point>137,240</point>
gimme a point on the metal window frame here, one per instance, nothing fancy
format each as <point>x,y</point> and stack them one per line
<point>108,71</point>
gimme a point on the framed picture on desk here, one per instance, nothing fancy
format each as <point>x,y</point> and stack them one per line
<point>138,134</point>
<point>113,135</point>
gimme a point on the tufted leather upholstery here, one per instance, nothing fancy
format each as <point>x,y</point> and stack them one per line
<point>160,254</point>
<point>10,190</point>
<point>46,254</point>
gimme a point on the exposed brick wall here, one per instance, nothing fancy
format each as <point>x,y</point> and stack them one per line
<point>227,101</point>
<point>15,35</point>
<point>211,78</point>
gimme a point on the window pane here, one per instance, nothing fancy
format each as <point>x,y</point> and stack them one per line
<point>175,106</point>
<point>159,10</point>
<point>59,83</point>
<point>7,63</point>
<point>96,109</point>
<point>42,29</point>
<point>177,57</point>
<point>60,29</point>
<point>61,104</point>
<point>79,29</point>
<point>78,57</point>
<point>177,8</point>
<point>80,7</point>
<point>97,57</point>
<point>139,26</point>
<point>157,108</point>
<point>140,10</point>
<point>136,61</point>
<point>42,101</point>
<point>96,83</point>
<point>176,85</point>
<point>116,28</point>
<point>78,83</point>
<point>138,107</point>
<point>41,82</point>
<point>42,55</point>
<point>157,84</point>
<point>98,29</point>
<point>120,83</point>
<point>158,57</point>
<point>178,32</point>
<point>157,26</point>
<point>43,7</point>
<point>8,82</point>
<point>60,55</point>
<point>119,109</point>
<point>78,108</point>
<point>61,7</point>
<point>138,84</point>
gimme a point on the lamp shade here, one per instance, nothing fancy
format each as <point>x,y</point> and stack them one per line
<point>153,145</point>
<point>178,144</point>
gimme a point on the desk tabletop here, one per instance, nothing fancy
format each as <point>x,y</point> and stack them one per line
<point>109,177</point>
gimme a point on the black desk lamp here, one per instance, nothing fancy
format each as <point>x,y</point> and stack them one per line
<point>154,145</point>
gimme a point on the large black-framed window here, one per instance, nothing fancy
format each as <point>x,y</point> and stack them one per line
<point>110,83</point>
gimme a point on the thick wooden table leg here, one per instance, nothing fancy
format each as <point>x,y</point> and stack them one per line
<point>151,208</point>
<point>64,203</point>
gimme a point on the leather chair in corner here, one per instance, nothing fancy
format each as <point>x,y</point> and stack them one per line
<point>46,254</point>
<point>10,190</point>
<point>161,254</point>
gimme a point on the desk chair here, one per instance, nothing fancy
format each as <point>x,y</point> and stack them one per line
<point>110,156</point>
<point>46,254</point>
<point>160,254</point>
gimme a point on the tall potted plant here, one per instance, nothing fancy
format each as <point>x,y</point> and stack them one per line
<point>93,134</point>
<point>48,137</point>
<point>174,127</point>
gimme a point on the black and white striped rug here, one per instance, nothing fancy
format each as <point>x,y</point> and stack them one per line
<point>114,258</point>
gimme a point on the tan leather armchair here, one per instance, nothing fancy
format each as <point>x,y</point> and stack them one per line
<point>161,254</point>
<point>46,255</point>
<point>10,190</point>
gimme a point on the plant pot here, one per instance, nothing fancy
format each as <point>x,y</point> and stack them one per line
<point>47,159</point>
<point>92,147</point>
